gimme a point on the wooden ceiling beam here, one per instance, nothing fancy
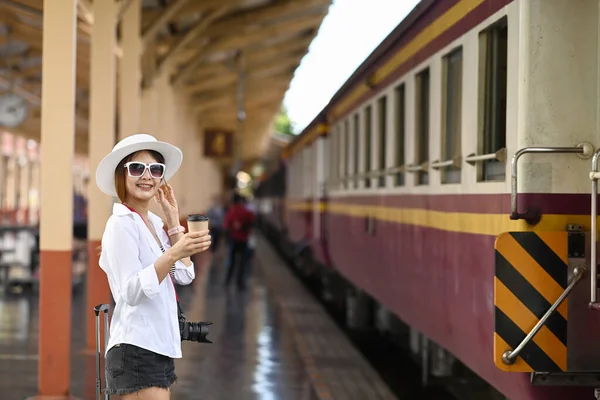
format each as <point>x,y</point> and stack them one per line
<point>281,12</point>
<point>186,55</point>
<point>86,11</point>
<point>253,58</point>
<point>284,10</point>
<point>251,87</point>
<point>21,9</point>
<point>121,11</point>
<point>191,8</point>
<point>251,112</point>
<point>231,101</point>
<point>204,5</point>
<point>253,74</point>
<point>238,42</point>
<point>262,54</point>
<point>193,33</point>
<point>257,36</point>
<point>35,14</point>
<point>149,35</point>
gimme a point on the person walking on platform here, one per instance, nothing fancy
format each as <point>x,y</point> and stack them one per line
<point>239,223</point>
<point>142,263</point>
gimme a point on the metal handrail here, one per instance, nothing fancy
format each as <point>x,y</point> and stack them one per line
<point>453,162</point>
<point>370,174</point>
<point>593,250</point>
<point>416,167</point>
<point>584,149</point>
<point>500,155</point>
<point>509,356</point>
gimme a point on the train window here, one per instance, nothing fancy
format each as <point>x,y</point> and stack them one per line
<point>306,167</point>
<point>422,125</point>
<point>356,149</point>
<point>336,157</point>
<point>331,158</point>
<point>346,165</point>
<point>400,133</point>
<point>368,139</point>
<point>340,155</point>
<point>451,114</point>
<point>296,174</point>
<point>382,125</point>
<point>493,64</point>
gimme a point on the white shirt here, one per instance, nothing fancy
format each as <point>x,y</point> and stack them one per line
<point>145,314</point>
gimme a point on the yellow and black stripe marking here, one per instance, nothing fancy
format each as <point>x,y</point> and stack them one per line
<point>531,273</point>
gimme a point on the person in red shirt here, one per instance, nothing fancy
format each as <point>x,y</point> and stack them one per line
<point>239,222</point>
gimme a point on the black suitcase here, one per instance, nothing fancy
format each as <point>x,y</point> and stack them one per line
<point>101,308</point>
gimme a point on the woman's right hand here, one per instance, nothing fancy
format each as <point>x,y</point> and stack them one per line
<point>190,244</point>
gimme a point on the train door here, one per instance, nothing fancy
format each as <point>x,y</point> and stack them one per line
<point>545,292</point>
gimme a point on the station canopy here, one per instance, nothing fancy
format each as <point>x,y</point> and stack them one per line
<point>210,47</point>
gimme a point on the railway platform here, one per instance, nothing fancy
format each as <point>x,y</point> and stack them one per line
<point>271,341</point>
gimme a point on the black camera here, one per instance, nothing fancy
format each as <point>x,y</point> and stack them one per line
<point>193,331</point>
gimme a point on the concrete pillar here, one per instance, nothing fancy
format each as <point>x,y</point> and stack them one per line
<point>102,133</point>
<point>130,75</point>
<point>58,139</point>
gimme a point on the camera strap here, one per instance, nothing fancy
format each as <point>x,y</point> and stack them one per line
<point>172,270</point>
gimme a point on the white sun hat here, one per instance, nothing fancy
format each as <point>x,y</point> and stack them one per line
<point>105,173</point>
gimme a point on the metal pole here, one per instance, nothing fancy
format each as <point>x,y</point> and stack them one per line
<point>241,115</point>
<point>593,257</point>
<point>509,356</point>
<point>97,356</point>
<point>106,334</point>
<point>514,210</point>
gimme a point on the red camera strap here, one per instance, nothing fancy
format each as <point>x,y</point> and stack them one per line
<point>161,247</point>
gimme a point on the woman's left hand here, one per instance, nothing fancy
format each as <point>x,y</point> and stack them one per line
<point>165,197</point>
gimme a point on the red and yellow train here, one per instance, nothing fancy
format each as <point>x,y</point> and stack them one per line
<point>447,185</point>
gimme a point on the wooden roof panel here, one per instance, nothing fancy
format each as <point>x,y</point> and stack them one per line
<point>206,46</point>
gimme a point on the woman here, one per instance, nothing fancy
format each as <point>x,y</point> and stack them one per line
<point>141,262</point>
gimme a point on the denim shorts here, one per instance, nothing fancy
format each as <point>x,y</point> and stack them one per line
<point>130,369</point>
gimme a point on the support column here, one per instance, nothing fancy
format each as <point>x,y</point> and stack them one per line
<point>130,74</point>
<point>102,133</point>
<point>58,140</point>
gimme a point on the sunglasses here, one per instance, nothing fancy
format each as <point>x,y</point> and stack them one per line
<point>137,169</point>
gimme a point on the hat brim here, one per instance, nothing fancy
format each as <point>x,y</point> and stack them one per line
<point>105,173</point>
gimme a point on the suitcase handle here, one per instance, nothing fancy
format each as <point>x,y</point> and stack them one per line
<point>97,310</point>
<point>101,307</point>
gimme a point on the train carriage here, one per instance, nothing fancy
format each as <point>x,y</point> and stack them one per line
<point>448,180</point>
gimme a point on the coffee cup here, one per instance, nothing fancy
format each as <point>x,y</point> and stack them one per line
<point>197,222</point>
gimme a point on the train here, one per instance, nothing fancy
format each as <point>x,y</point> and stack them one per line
<point>448,190</point>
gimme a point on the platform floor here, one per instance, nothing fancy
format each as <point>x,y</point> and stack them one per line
<point>253,356</point>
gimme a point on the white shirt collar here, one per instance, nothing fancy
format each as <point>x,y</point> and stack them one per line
<point>121,210</point>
